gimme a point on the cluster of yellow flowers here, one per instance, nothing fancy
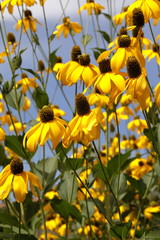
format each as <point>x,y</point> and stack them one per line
<point>112,137</point>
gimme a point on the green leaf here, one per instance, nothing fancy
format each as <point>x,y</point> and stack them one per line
<point>65,209</point>
<point>53,58</point>
<point>40,97</point>
<point>153,233</point>
<point>138,184</point>
<point>86,39</point>
<point>105,36</point>
<point>15,144</point>
<point>121,182</point>
<point>120,230</point>
<point>75,213</point>
<point>122,160</point>
<point>68,187</point>
<point>16,62</point>
<point>61,206</point>
<point>74,163</point>
<point>87,209</point>
<point>7,87</point>
<point>51,165</point>
<point>15,99</point>
<point>33,73</point>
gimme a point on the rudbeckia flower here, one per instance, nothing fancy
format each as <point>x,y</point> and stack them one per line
<point>50,127</point>
<point>151,53</point>
<point>2,134</point>
<point>6,119</point>
<point>149,211</point>
<point>67,27</point>
<point>18,127</point>
<point>150,9</point>
<point>85,126</point>
<point>118,18</point>
<point>27,104</point>
<point>25,82</point>
<point>85,71</point>
<point>67,67</point>
<point>157,94</point>
<point>137,125</point>
<point>28,22</point>
<point>109,82</point>
<point>98,99</point>
<point>14,178</point>
<point>137,86</point>
<point>139,167</point>
<point>12,3</point>
<point>91,7</point>
<point>125,48</point>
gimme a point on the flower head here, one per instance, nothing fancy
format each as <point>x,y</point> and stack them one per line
<point>109,82</point>
<point>66,27</point>
<point>91,7</point>
<point>154,52</point>
<point>125,48</point>
<point>25,82</point>
<point>62,74</point>
<point>85,126</point>
<point>137,86</point>
<point>13,177</point>
<point>28,22</point>
<point>49,127</point>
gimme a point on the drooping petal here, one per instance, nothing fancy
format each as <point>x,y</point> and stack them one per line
<point>6,187</point>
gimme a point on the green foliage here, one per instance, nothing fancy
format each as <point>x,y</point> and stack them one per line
<point>120,231</point>
<point>15,99</point>
<point>40,97</point>
<point>86,39</point>
<point>15,143</point>
<point>68,187</point>
<point>65,209</point>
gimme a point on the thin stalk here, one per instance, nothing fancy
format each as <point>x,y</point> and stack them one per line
<point>107,181</point>
<point>142,202</point>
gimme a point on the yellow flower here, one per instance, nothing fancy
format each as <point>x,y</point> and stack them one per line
<point>67,27</point>
<point>2,134</point>
<point>137,86</point>
<point>98,99</point>
<point>14,178</point>
<point>18,127</point>
<point>118,18</point>
<point>91,7</point>
<point>150,9</point>
<point>28,22</point>
<point>12,3</point>
<point>151,53</point>
<point>109,82</point>
<point>125,48</point>
<point>151,209</point>
<point>157,94</point>
<point>67,67</point>
<point>26,83</point>
<point>6,119</point>
<point>27,104</point>
<point>85,126</point>
<point>85,71</point>
<point>50,127</point>
<point>81,69</point>
<point>139,167</point>
<point>137,125</point>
